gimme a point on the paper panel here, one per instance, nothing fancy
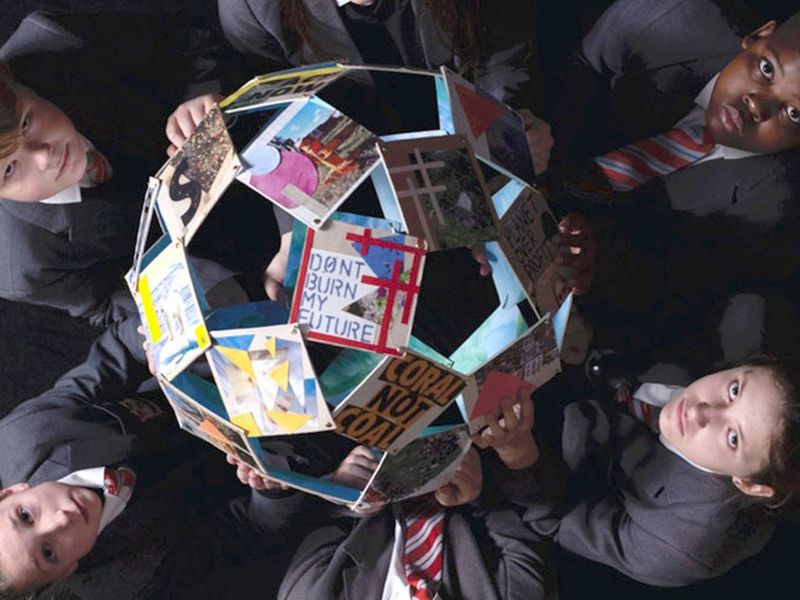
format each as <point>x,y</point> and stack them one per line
<point>171,312</point>
<point>194,179</point>
<point>308,160</point>
<point>399,399</point>
<point>441,192</point>
<point>357,287</point>
<point>267,381</point>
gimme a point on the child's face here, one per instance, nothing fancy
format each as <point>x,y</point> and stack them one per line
<point>726,421</point>
<point>755,104</point>
<point>45,530</point>
<point>51,156</point>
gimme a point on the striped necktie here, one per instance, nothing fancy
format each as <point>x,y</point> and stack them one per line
<point>643,411</point>
<point>632,165</point>
<point>423,552</point>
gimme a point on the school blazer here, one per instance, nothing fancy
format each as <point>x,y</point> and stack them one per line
<point>615,495</point>
<point>488,553</point>
<point>91,417</point>
<point>254,28</point>
<point>117,77</point>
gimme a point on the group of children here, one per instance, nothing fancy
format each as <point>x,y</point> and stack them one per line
<point>679,226</point>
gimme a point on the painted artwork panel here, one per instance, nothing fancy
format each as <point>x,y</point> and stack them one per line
<point>398,400</point>
<point>496,132</point>
<point>533,359</point>
<point>309,159</point>
<point>171,311</point>
<point>267,381</point>
<point>281,86</point>
<point>441,191</point>
<point>530,237</point>
<point>203,423</point>
<point>194,179</point>
<point>357,287</point>
<point>423,466</point>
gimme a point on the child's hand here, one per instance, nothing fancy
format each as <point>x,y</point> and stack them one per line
<point>578,253</point>
<point>276,271</point>
<point>356,470</point>
<point>248,476</point>
<point>540,140</point>
<point>151,365</point>
<point>185,119</point>
<point>511,436</point>
<point>479,254</point>
<point>466,483</point>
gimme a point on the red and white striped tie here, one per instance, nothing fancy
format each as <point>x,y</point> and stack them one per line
<point>423,553</point>
<point>646,413</point>
<point>632,165</point>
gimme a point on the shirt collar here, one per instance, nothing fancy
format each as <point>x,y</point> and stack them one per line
<point>93,478</point>
<point>71,195</point>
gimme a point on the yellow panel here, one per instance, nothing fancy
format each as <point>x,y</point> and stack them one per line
<point>149,310</point>
<point>238,357</point>
<point>280,375</point>
<point>248,423</point>
<point>289,422</point>
<point>270,345</point>
<point>201,335</point>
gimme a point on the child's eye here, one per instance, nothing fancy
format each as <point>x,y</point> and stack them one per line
<point>733,390</point>
<point>48,554</point>
<point>25,515</point>
<point>733,439</point>
<point>766,69</point>
<point>9,171</point>
<point>793,114</point>
<point>26,123</point>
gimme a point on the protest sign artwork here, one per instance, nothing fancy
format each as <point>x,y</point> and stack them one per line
<point>530,237</point>
<point>358,287</point>
<point>441,192</point>
<point>267,382</point>
<point>397,401</point>
<point>193,180</point>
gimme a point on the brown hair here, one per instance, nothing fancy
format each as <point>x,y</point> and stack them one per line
<point>10,134</point>
<point>782,472</point>
<point>456,21</point>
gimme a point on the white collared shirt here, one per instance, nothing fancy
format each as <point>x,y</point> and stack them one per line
<point>697,116</point>
<point>113,506</point>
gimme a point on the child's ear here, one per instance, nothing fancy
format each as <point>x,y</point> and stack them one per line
<point>13,489</point>
<point>751,488</point>
<point>762,32</point>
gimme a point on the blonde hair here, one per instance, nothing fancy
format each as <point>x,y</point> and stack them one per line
<point>10,133</point>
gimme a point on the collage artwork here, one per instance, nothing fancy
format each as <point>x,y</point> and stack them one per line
<point>368,349</point>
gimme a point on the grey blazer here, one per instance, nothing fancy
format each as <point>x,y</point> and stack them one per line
<point>91,417</point>
<point>488,554</point>
<point>254,28</point>
<point>614,494</point>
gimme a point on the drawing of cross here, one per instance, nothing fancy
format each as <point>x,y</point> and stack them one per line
<point>417,193</point>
